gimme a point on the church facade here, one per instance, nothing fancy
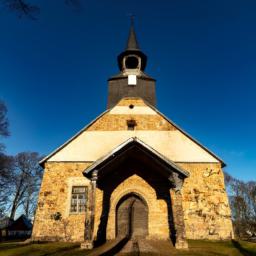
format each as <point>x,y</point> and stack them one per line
<point>132,172</point>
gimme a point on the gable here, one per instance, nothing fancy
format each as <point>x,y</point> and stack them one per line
<point>110,130</point>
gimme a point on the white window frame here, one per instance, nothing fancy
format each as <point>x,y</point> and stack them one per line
<point>85,194</point>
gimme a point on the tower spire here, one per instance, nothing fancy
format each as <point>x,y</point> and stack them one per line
<point>131,81</point>
<point>132,49</point>
<point>132,43</point>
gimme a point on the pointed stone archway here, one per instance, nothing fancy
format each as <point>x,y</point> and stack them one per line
<point>132,217</point>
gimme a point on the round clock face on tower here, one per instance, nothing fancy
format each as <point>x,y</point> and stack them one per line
<point>131,62</point>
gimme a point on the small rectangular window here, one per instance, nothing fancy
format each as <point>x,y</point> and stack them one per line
<point>131,125</point>
<point>79,199</point>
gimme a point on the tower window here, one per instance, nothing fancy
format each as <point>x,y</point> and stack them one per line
<point>79,199</point>
<point>131,125</point>
<point>131,62</point>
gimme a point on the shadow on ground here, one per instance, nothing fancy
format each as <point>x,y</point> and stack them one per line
<point>242,250</point>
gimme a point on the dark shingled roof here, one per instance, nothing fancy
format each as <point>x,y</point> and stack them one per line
<point>121,75</point>
<point>132,47</point>
<point>132,43</point>
<point>4,222</point>
<point>21,223</point>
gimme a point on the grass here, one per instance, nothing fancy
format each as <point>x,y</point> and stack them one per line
<point>220,248</point>
<point>196,248</point>
<point>46,249</point>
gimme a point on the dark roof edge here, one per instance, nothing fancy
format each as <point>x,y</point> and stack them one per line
<point>72,138</point>
<point>188,135</point>
<point>143,77</point>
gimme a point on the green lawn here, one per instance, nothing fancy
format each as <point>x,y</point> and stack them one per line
<point>200,248</point>
<point>46,249</point>
<point>231,248</point>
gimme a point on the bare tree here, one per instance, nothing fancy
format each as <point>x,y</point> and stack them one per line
<point>6,167</point>
<point>22,7</point>
<point>242,198</point>
<point>26,181</point>
<point>29,201</point>
<point>28,9</point>
<point>5,161</point>
<point>4,124</point>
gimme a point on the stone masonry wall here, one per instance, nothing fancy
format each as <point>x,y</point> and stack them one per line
<point>112,122</point>
<point>55,196</point>
<point>205,203</point>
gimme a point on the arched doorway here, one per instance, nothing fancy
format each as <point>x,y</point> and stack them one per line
<point>132,216</point>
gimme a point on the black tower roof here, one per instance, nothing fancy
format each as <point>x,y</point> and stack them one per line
<point>132,43</point>
<point>132,48</point>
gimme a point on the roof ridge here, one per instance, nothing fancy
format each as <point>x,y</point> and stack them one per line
<point>185,133</point>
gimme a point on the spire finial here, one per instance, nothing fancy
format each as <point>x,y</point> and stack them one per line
<point>132,43</point>
<point>132,16</point>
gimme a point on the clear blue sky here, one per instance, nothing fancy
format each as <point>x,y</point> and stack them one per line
<point>54,71</point>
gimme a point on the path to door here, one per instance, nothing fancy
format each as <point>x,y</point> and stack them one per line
<point>122,247</point>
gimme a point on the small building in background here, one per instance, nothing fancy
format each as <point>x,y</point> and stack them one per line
<point>15,229</point>
<point>4,223</point>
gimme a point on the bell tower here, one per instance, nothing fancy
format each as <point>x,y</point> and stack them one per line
<point>132,81</point>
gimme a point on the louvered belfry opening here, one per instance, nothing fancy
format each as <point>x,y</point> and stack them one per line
<point>132,217</point>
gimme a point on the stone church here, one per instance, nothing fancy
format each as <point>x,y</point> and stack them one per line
<point>132,172</point>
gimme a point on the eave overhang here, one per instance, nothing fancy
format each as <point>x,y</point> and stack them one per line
<point>45,159</point>
<point>135,145</point>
